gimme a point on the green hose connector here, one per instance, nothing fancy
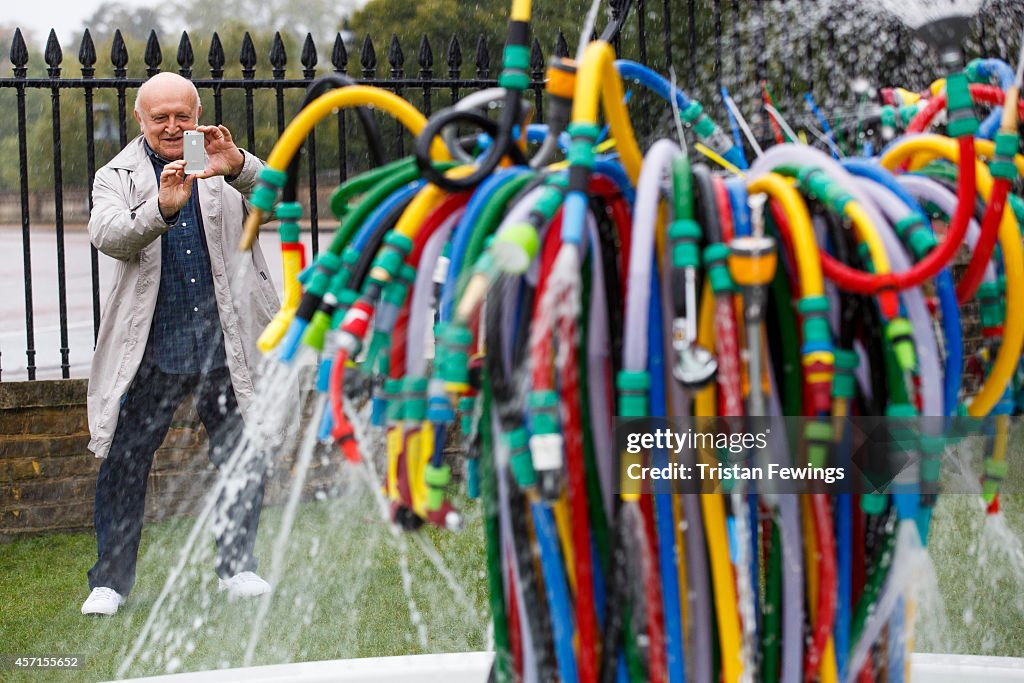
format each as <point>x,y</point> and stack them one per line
<point>288,213</point>
<point>716,263</point>
<point>520,461</point>
<point>903,429</point>
<point>816,329</point>
<point>547,446</point>
<point>581,152</point>
<point>873,503</point>
<point>990,305</point>
<point>932,448</point>
<point>395,292</point>
<point>844,382</point>
<point>888,117</point>
<point>691,112</point>
<point>268,184</point>
<point>349,258</point>
<point>907,113</point>
<point>467,404</point>
<point>684,235</point>
<point>1002,165</point>
<point>345,301</point>
<point>960,116</point>
<point>818,437</point>
<point>543,409</point>
<point>437,479</point>
<point>396,400</point>
<point>818,185</point>
<point>633,386</point>
<point>911,229</point>
<point>995,473</point>
<point>973,73</point>
<point>900,335</point>
<point>414,389</point>
<point>316,331</point>
<point>452,357</point>
<point>327,265</point>
<point>550,200</point>
<point>515,63</point>
<point>514,248</point>
<point>585,131</point>
<point>390,258</point>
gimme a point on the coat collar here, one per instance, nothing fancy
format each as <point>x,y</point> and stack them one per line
<point>132,156</point>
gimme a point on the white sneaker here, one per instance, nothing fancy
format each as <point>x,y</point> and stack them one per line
<point>244,585</point>
<point>103,601</point>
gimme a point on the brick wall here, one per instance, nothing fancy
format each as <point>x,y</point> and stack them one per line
<point>48,476</point>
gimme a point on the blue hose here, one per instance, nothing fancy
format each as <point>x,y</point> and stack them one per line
<point>825,128</point>
<point>662,87</point>
<point>663,491</point>
<point>737,139</point>
<point>463,232</point>
<point>844,558</point>
<point>737,188</point>
<point>988,69</point>
<point>381,211</point>
<point>557,590</point>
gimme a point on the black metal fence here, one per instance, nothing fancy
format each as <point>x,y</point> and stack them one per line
<point>792,45</point>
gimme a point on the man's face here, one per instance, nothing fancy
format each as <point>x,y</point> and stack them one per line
<point>166,113</point>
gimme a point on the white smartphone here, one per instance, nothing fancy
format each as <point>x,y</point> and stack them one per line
<point>195,151</point>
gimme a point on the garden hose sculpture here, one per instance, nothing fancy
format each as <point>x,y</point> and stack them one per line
<point>808,281</point>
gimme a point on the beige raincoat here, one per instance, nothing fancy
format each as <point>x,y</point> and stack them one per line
<point>125,224</point>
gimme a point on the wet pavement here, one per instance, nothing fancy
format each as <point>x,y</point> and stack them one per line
<point>45,302</point>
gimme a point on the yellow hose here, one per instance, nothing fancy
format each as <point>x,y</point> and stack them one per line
<point>716,532</point>
<point>598,78</point>
<point>713,505</point>
<point>866,231</point>
<point>521,10</point>
<point>291,265</point>
<point>804,244</point>
<point>1009,352</point>
<point>342,98</point>
<point>983,148</point>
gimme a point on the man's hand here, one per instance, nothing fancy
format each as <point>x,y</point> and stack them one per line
<point>223,157</point>
<point>175,188</point>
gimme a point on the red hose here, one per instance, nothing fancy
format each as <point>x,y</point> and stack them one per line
<point>658,664</point>
<point>980,93</point>
<point>886,285</point>
<point>730,398</point>
<point>515,636</point>
<point>543,378</point>
<point>972,277</point>
<point>826,587</point>
<point>433,221</point>
<point>342,432</point>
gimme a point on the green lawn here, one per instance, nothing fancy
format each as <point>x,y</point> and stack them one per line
<point>342,594</point>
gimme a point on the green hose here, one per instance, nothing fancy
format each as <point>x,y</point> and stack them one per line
<point>489,494</point>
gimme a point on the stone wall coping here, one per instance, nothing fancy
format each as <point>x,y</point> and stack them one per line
<point>43,393</point>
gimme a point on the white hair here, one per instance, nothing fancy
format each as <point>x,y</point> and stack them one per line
<point>138,94</point>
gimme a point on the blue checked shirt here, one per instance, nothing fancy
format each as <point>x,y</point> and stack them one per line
<point>186,336</point>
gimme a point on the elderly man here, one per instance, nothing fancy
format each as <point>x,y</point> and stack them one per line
<point>182,318</point>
